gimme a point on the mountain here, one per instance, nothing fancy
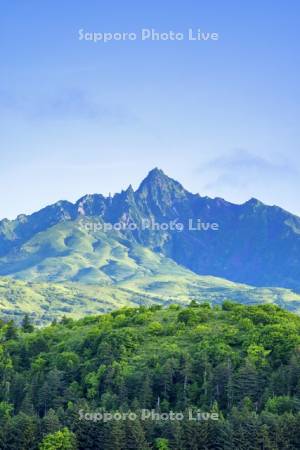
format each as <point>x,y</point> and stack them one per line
<point>251,243</point>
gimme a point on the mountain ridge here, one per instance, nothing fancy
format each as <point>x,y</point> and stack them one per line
<point>256,244</point>
<point>154,174</point>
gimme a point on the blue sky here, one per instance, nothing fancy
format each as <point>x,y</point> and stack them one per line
<point>79,117</point>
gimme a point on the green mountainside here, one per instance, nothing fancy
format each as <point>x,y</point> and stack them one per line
<point>69,252</point>
<point>44,302</point>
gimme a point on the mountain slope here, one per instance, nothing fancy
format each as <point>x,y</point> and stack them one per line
<point>69,252</point>
<point>44,302</point>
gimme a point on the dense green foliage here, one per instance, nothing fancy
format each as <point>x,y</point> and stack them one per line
<point>240,362</point>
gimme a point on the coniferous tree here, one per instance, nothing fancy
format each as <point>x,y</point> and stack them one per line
<point>135,436</point>
<point>22,432</point>
<point>50,422</point>
<point>115,435</point>
<point>27,326</point>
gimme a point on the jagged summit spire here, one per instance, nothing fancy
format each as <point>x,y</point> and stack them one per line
<point>157,177</point>
<point>157,185</point>
<point>156,172</point>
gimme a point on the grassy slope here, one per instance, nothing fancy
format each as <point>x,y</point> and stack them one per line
<point>45,301</point>
<point>66,252</point>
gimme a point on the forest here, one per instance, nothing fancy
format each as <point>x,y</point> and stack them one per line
<point>236,366</point>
